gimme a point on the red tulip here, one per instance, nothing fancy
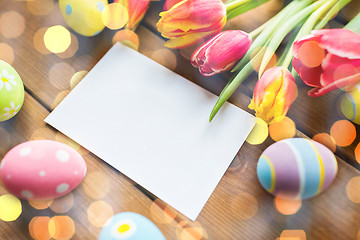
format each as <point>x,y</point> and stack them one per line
<point>328,60</point>
<point>221,52</point>
<point>274,93</point>
<point>190,21</point>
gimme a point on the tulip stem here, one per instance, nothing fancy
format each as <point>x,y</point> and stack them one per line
<point>230,88</point>
<point>354,24</point>
<point>237,7</point>
<point>273,23</point>
<point>333,11</point>
<point>306,28</point>
<point>283,30</point>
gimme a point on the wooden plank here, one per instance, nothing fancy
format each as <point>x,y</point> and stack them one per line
<point>103,187</point>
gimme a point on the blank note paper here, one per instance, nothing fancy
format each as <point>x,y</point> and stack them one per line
<point>152,125</point>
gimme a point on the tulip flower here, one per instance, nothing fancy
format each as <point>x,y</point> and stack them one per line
<point>189,21</point>
<point>328,60</point>
<point>169,3</point>
<point>274,93</point>
<point>221,52</point>
<point>136,11</point>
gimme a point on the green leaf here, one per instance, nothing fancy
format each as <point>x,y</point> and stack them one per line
<point>354,24</point>
<point>283,30</point>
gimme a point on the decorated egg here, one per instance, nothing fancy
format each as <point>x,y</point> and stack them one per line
<point>84,16</point>
<point>130,226</point>
<point>11,91</point>
<point>350,105</point>
<point>296,168</point>
<point>42,169</point>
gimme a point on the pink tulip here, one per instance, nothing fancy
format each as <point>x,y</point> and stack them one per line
<point>169,3</point>
<point>221,52</point>
<point>136,11</point>
<point>328,60</point>
<point>190,21</point>
<point>273,95</point>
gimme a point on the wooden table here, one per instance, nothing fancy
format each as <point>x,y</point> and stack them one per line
<point>239,208</point>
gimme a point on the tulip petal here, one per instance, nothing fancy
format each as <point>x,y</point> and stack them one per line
<point>341,83</point>
<point>341,42</point>
<point>335,68</point>
<point>310,76</point>
<point>170,3</point>
<point>136,10</point>
<point>187,40</point>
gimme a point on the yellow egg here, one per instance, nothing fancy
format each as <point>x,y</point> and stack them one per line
<point>350,105</point>
<point>84,16</point>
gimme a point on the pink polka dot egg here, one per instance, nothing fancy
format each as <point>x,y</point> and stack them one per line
<point>42,169</point>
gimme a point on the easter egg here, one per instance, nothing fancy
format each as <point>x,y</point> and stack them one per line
<point>11,92</point>
<point>42,169</point>
<point>296,168</point>
<point>130,226</point>
<point>84,16</point>
<point>350,105</point>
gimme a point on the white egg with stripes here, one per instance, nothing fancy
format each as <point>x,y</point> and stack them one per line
<point>296,168</point>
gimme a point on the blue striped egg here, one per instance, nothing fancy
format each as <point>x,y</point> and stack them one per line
<point>350,105</point>
<point>130,226</point>
<point>296,168</point>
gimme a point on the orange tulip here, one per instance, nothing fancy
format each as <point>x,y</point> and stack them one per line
<point>273,95</point>
<point>136,11</point>
<point>190,21</point>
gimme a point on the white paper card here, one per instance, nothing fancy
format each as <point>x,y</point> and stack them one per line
<point>153,126</point>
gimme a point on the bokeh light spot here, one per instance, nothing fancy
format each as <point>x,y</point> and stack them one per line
<point>165,57</point>
<point>99,213</point>
<point>287,206</point>
<point>282,130</point>
<point>6,53</point>
<point>259,133</point>
<point>10,207</point>
<point>76,78</point>
<point>63,204</point>
<point>115,16</point>
<point>127,37</point>
<point>311,54</point>
<point>39,41</point>
<point>293,235</point>
<point>352,189</point>
<point>40,204</point>
<point>162,213</point>
<point>191,231</point>
<point>357,153</point>
<point>244,206</point>
<point>343,132</point>
<point>59,137</point>
<point>345,70</point>
<point>57,39</point>
<point>12,24</point>
<point>326,140</point>
<point>61,227</point>
<point>38,228</point>
<point>40,7</point>
<point>59,98</point>
<point>96,184</point>
<point>257,59</point>
<point>60,74</point>
<point>72,49</point>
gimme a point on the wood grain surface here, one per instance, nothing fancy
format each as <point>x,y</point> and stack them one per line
<point>239,208</point>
